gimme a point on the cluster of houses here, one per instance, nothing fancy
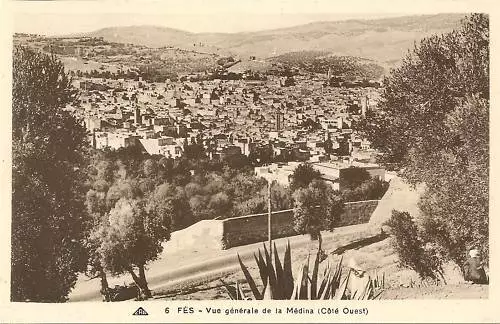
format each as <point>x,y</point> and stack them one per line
<point>333,172</point>
<point>307,117</point>
<point>227,116</point>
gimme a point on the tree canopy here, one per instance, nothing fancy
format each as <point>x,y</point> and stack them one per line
<point>437,76</point>
<point>302,176</point>
<point>353,177</point>
<point>134,209</point>
<point>317,207</point>
<point>433,126</point>
<point>48,215</point>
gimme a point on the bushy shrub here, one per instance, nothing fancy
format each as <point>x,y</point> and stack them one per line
<point>412,250</point>
<point>371,189</point>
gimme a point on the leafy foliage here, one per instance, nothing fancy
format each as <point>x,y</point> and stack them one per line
<point>136,200</point>
<point>231,193</point>
<point>316,207</point>
<point>302,176</point>
<point>194,150</point>
<point>433,125</point>
<point>262,155</point>
<point>437,76</point>
<point>411,247</point>
<point>353,177</point>
<point>371,189</point>
<point>132,214</point>
<point>47,194</point>
<point>281,199</point>
<point>167,199</point>
<point>456,203</point>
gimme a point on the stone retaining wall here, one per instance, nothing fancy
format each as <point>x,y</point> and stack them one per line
<point>253,228</point>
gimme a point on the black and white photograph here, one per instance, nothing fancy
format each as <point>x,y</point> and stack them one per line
<point>236,159</point>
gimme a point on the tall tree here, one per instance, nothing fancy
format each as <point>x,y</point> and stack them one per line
<point>456,203</point>
<point>102,176</point>
<point>132,214</point>
<point>317,207</point>
<point>48,214</point>
<point>328,145</point>
<point>433,125</point>
<point>302,176</point>
<point>353,177</point>
<point>130,238</point>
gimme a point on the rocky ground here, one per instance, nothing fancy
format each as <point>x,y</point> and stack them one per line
<point>452,291</point>
<point>196,275</point>
<point>377,257</point>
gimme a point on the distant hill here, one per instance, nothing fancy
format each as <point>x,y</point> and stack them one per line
<point>349,67</point>
<point>384,40</point>
<point>155,36</point>
<point>152,36</point>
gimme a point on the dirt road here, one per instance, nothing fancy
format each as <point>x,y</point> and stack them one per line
<point>181,266</point>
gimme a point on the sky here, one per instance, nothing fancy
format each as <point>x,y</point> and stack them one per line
<point>64,17</point>
<point>76,23</point>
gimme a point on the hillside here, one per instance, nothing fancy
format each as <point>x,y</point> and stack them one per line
<point>156,36</point>
<point>146,35</point>
<point>348,67</point>
<point>97,56</point>
<point>384,40</point>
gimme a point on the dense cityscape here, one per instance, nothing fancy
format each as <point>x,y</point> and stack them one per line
<point>163,169</point>
<point>292,115</point>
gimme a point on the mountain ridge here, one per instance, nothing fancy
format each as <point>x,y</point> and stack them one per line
<point>384,40</point>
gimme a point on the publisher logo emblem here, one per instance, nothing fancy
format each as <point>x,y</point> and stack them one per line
<point>140,311</point>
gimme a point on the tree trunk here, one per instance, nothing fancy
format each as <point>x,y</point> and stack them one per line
<point>134,276</point>
<point>321,253</point>
<point>142,277</point>
<point>104,285</point>
<point>138,282</point>
<point>440,272</point>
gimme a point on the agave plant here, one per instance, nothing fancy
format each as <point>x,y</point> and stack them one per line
<point>379,282</point>
<point>279,283</point>
<point>328,286</point>
<point>277,279</point>
<point>236,292</point>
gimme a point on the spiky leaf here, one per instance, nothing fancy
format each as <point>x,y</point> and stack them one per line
<point>287,270</point>
<point>314,278</point>
<point>271,274</point>
<point>250,280</point>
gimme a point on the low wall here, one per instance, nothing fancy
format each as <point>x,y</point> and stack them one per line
<point>253,228</point>
<point>205,234</point>
<point>358,212</point>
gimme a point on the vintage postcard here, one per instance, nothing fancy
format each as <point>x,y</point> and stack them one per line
<point>249,161</point>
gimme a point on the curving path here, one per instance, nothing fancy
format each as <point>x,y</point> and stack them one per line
<point>190,265</point>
